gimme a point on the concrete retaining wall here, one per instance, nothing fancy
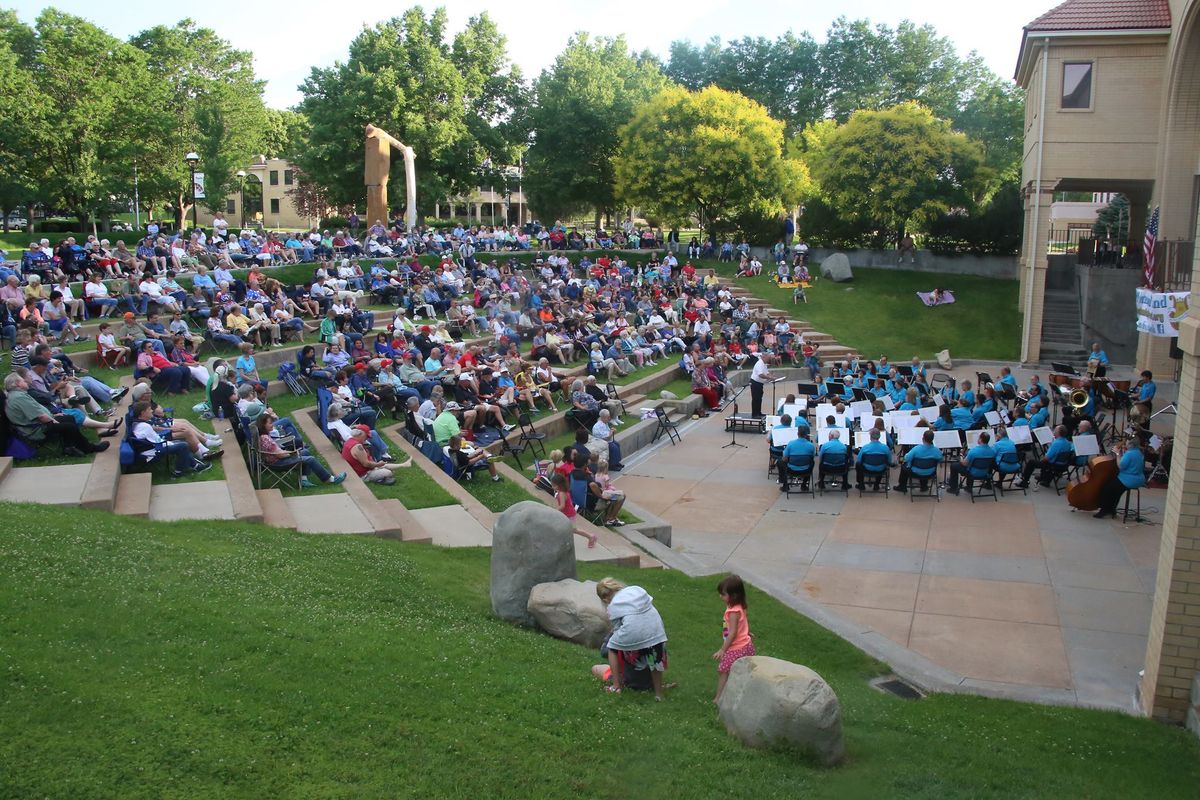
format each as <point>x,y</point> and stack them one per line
<point>985,266</point>
<point>1108,310</point>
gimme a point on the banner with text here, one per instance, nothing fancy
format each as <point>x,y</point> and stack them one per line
<point>198,186</point>
<point>1159,313</point>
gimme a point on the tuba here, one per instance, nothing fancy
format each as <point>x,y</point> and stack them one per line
<point>1077,399</point>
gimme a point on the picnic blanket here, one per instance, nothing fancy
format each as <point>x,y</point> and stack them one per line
<point>927,298</point>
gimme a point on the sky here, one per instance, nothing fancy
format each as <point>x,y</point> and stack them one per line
<point>288,39</point>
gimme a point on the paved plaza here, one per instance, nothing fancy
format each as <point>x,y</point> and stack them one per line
<point>1023,597</point>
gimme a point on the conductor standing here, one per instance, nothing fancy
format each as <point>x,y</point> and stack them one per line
<point>759,376</point>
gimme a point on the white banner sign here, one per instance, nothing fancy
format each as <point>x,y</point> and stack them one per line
<point>1159,313</point>
<point>198,186</point>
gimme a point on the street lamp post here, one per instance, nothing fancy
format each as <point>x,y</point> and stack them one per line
<point>192,160</point>
<point>241,173</point>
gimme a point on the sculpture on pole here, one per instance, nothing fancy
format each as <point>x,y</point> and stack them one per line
<point>379,146</point>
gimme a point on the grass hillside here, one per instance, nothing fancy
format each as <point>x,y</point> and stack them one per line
<point>190,660</point>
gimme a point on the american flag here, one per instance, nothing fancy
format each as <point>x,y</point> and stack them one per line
<point>1148,249</point>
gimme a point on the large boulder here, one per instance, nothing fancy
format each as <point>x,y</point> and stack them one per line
<point>769,702</point>
<point>837,268</point>
<point>570,609</point>
<point>531,544</point>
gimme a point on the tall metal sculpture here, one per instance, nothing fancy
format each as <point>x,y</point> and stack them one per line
<point>379,146</point>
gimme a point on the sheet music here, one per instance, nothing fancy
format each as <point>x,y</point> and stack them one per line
<point>781,436</point>
<point>772,421</point>
<point>1086,445</point>
<point>1156,441</point>
<point>861,438</point>
<point>938,400</point>
<point>823,435</point>
<point>905,420</point>
<point>867,421</point>
<point>910,436</point>
<point>973,437</point>
<point>1021,434</point>
<point>825,410</point>
<point>929,413</point>
<point>887,402</point>
<point>947,440</point>
<point>795,409</point>
<point>1004,416</point>
<point>861,407</point>
<point>1044,435</point>
<point>992,417</point>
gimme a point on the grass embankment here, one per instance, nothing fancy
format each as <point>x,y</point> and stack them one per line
<point>210,659</point>
<point>879,313</point>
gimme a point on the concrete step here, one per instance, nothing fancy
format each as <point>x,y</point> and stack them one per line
<point>410,529</point>
<point>275,512</point>
<point>133,495</point>
<point>6,465</point>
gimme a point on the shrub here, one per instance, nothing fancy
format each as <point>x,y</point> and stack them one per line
<point>333,223</point>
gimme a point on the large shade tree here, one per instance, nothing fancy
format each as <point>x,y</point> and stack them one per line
<point>712,153</point>
<point>582,100</point>
<point>452,101</point>
<point>901,166</point>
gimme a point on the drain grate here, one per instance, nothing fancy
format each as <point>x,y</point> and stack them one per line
<point>899,687</point>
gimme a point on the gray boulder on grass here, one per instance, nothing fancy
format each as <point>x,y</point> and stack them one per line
<point>768,702</point>
<point>837,268</point>
<point>570,609</point>
<point>668,395</point>
<point>531,544</point>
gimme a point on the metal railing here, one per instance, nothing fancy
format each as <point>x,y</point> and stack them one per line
<point>1173,262</point>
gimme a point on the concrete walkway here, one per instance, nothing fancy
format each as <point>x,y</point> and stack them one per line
<point>1021,598</point>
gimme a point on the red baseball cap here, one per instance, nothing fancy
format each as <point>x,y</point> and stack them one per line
<point>366,430</point>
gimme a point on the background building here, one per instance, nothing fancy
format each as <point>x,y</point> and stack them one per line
<point>1113,105</point>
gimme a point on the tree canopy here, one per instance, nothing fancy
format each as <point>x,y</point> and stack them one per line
<point>592,89</point>
<point>710,153</point>
<point>886,170</point>
<point>453,102</point>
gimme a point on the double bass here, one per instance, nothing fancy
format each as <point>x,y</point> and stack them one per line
<point>1084,494</point>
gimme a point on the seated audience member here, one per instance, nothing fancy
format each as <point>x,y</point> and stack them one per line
<point>467,462</point>
<point>147,440</point>
<point>357,452</point>
<point>276,456</point>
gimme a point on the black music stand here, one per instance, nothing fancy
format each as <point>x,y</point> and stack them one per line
<point>808,389</point>
<point>733,427</point>
<point>1064,369</point>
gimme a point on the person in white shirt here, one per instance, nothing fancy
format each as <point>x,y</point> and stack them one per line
<point>759,376</point>
<point>150,288</point>
<point>220,225</point>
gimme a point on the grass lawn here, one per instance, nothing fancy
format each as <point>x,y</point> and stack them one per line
<point>879,313</point>
<point>214,659</point>
<point>413,487</point>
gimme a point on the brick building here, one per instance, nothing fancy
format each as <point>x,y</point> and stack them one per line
<point>1113,105</point>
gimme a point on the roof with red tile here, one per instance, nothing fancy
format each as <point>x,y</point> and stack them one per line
<point>1104,15</point>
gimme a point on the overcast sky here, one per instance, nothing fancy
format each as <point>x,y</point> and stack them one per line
<point>287,39</point>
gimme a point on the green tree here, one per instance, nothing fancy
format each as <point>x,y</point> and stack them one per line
<point>452,102</point>
<point>711,153</point>
<point>22,107</point>
<point>285,135</point>
<point>900,167</point>
<point>994,117</point>
<point>784,75</point>
<point>593,88</point>
<point>205,98</point>
<point>86,86</point>
<point>1112,221</point>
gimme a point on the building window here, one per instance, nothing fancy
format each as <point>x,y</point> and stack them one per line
<point>274,177</point>
<point>287,177</point>
<point>230,206</point>
<point>1077,85</point>
<point>274,205</point>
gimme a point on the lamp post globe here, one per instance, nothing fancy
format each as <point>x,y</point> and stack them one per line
<point>192,159</point>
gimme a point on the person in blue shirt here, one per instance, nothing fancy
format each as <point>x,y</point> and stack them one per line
<point>967,394</point>
<point>1146,389</point>
<point>776,453</point>
<point>961,415</point>
<point>976,465</point>
<point>1007,379</point>
<point>1131,474</point>
<point>1058,457</point>
<point>1098,360</point>
<point>796,450</point>
<point>986,403</point>
<point>910,400</point>
<point>1038,416</point>
<point>1008,461</point>
<point>945,421</point>
<point>924,450</point>
<point>835,457</point>
<point>872,448</point>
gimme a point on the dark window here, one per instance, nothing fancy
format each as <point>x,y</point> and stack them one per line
<point>230,206</point>
<point>1077,85</point>
<point>287,177</point>
<point>274,205</point>
<point>274,177</point>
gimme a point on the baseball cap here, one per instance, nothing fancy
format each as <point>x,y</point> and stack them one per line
<point>366,431</point>
<point>453,406</point>
<point>128,315</point>
<point>385,363</point>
